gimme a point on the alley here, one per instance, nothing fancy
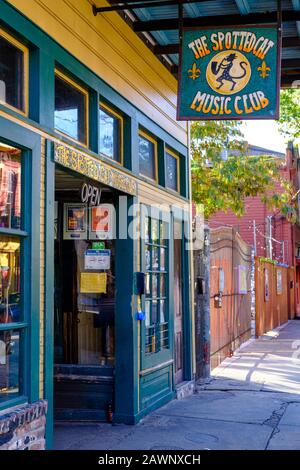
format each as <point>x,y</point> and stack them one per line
<point>252,401</point>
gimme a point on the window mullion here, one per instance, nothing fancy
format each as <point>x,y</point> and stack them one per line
<point>13,232</point>
<point>13,326</point>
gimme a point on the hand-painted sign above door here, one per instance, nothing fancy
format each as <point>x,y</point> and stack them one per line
<point>93,169</point>
<point>229,73</point>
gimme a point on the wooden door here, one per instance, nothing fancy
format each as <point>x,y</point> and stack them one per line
<point>178,319</point>
<point>89,340</point>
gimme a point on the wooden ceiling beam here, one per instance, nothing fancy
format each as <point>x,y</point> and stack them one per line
<point>290,63</point>
<point>221,20</point>
<point>160,49</point>
<point>290,80</point>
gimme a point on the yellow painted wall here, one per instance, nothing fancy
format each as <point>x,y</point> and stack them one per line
<point>109,47</point>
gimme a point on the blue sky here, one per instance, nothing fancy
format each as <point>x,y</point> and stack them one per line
<point>264,134</point>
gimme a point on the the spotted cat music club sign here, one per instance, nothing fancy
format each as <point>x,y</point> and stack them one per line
<point>229,73</point>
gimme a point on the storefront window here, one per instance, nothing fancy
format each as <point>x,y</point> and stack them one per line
<point>10,187</point>
<point>71,101</point>
<point>13,72</point>
<point>110,133</point>
<point>9,364</point>
<point>9,279</point>
<point>156,294</point>
<point>172,171</point>
<point>10,272</point>
<point>147,156</point>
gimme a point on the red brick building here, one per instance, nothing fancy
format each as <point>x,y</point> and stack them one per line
<point>270,234</point>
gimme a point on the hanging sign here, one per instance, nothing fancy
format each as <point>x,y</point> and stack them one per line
<point>229,73</point>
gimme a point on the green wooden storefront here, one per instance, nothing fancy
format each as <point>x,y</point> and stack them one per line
<point>140,381</point>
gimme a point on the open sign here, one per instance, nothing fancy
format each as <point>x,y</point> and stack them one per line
<point>90,194</point>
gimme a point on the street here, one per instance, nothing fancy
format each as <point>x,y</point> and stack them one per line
<point>251,401</point>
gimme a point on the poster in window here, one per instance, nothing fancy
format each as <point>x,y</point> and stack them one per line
<point>279,281</point>
<point>93,283</point>
<point>266,285</point>
<point>101,222</point>
<point>75,222</point>
<point>242,279</point>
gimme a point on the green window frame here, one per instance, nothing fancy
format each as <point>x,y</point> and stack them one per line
<point>26,325</point>
<point>22,90</point>
<point>156,339</point>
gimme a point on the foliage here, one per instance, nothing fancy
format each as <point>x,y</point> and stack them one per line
<point>289,123</point>
<point>222,184</point>
<point>267,260</point>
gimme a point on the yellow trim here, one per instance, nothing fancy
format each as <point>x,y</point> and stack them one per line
<point>25,92</point>
<point>121,119</point>
<point>175,155</point>
<point>7,148</point>
<point>144,185</point>
<point>84,91</point>
<point>146,136</point>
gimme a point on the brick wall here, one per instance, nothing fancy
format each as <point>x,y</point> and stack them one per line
<point>24,427</point>
<point>256,210</point>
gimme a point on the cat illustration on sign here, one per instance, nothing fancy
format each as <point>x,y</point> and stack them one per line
<point>226,65</point>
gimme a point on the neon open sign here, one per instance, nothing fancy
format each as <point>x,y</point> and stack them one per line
<point>90,194</point>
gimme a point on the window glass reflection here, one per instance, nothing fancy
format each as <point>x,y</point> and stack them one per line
<point>147,158</point>
<point>10,187</point>
<point>9,279</point>
<point>11,74</point>
<point>9,364</point>
<point>70,114</point>
<point>171,172</point>
<point>110,134</point>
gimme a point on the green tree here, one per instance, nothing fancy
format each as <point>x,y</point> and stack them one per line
<point>289,122</point>
<point>223,183</point>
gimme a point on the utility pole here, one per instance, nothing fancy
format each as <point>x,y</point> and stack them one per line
<point>202,307</point>
<point>269,217</point>
<point>254,237</point>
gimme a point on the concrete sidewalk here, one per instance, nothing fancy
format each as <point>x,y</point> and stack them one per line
<point>252,401</point>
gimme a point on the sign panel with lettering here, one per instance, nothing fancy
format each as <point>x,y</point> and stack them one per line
<point>97,259</point>
<point>93,283</point>
<point>229,73</point>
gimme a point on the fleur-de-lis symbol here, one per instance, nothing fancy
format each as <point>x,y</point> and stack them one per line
<point>264,70</point>
<point>194,72</point>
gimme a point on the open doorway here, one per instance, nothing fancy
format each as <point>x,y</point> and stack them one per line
<point>84,317</point>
